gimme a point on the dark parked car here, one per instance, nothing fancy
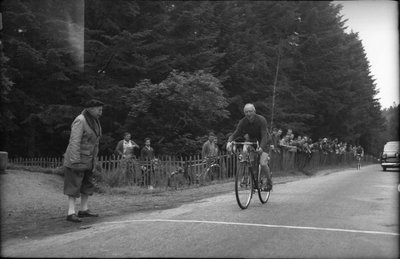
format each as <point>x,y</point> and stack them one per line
<point>390,155</point>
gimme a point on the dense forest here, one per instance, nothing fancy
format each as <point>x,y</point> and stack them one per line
<point>174,70</point>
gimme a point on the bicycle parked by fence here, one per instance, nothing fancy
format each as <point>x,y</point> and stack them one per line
<point>185,173</point>
<point>248,175</point>
<point>147,177</point>
<point>211,171</point>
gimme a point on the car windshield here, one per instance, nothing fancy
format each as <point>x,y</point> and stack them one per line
<point>392,147</point>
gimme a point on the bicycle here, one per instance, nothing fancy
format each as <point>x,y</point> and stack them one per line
<point>212,169</point>
<point>246,182</point>
<point>148,171</point>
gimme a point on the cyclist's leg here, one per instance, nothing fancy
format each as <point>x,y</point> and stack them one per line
<point>265,170</point>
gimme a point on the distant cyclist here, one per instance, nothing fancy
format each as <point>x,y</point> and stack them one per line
<point>359,152</point>
<point>255,126</point>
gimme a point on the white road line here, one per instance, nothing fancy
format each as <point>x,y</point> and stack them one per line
<point>254,225</point>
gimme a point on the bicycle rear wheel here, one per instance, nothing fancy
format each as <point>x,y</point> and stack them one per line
<point>206,177</point>
<point>263,195</point>
<point>215,172</point>
<point>243,186</point>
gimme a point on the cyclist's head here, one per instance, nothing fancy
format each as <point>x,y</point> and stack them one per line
<point>249,111</point>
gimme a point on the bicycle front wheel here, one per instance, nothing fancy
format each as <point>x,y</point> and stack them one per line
<point>215,172</point>
<point>263,195</point>
<point>243,186</point>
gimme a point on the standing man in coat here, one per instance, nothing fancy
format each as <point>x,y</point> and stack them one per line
<point>80,158</point>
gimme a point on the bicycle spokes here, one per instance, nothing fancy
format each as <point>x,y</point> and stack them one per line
<point>243,186</point>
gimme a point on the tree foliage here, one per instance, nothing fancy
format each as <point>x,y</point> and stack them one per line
<point>173,70</point>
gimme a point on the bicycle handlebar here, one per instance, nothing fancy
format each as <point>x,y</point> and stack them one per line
<point>250,143</point>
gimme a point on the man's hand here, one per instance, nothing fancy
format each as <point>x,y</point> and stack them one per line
<point>229,146</point>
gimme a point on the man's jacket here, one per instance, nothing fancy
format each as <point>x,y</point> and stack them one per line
<point>83,145</point>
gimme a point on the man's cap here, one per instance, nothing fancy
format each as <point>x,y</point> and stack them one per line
<point>93,103</point>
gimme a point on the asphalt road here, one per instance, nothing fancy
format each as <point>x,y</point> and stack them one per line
<point>348,214</point>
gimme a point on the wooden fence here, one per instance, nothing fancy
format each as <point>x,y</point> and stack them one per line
<point>45,162</point>
<point>173,171</point>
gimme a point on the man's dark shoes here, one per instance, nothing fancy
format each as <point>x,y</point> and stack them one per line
<point>86,213</point>
<point>73,218</point>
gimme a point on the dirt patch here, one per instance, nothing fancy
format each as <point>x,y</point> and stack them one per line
<point>33,204</point>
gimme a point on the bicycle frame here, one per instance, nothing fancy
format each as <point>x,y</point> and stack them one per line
<point>210,163</point>
<point>246,160</point>
<point>249,168</point>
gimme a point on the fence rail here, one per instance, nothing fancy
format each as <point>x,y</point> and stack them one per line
<point>162,172</point>
<point>45,162</point>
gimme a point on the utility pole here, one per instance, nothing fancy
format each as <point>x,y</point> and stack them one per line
<point>274,89</point>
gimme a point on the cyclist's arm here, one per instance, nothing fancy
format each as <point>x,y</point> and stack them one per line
<point>265,140</point>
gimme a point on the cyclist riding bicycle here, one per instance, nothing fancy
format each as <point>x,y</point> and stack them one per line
<point>359,151</point>
<point>255,126</point>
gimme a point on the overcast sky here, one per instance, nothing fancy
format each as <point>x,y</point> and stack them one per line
<point>376,22</point>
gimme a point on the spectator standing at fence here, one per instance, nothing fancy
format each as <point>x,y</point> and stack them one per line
<point>125,147</point>
<point>210,148</point>
<point>147,152</point>
<point>306,146</point>
<point>325,146</point>
<point>275,139</point>
<point>284,142</point>
<point>276,157</point>
<point>289,132</point>
<point>80,159</point>
<point>293,143</point>
<point>146,156</point>
<point>286,155</point>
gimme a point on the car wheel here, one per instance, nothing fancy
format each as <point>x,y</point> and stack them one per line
<point>384,168</point>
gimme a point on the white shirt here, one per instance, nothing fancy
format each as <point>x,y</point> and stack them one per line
<point>128,148</point>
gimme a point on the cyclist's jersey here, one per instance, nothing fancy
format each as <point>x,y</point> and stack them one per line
<point>256,130</point>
